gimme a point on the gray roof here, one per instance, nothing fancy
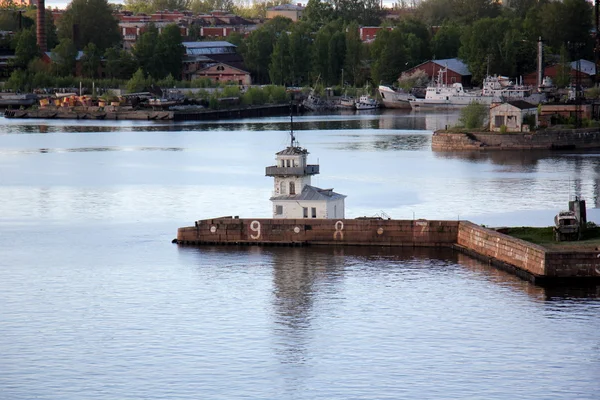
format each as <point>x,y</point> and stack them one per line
<point>311,193</point>
<point>454,64</point>
<point>292,151</point>
<point>204,45</point>
<point>521,104</point>
<point>587,67</point>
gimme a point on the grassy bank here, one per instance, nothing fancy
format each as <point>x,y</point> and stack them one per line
<point>545,237</point>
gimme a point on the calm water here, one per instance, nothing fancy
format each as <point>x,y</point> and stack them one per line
<point>96,303</point>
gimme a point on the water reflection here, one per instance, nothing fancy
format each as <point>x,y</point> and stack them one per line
<point>391,142</point>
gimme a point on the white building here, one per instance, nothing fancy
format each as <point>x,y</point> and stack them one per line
<point>293,195</point>
<point>513,116</point>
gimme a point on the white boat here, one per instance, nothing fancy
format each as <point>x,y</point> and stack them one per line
<point>395,98</point>
<point>442,95</point>
<point>366,102</point>
<point>502,89</point>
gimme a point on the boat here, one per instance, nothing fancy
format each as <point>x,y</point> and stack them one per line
<point>347,102</point>
<point>395,98</point>
<point>313,102</point>
<point>502,89</point>
<point>442,95</point>
<point>17,100</point>
<point>366,102</point>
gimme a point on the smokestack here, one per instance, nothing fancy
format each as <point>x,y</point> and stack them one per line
<point>41,25</point>
<point>540,71</point>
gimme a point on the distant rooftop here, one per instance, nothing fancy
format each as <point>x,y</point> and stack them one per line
<point>454,64</point>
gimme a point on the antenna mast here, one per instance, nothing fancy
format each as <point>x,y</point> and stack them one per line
<point>292,138</point>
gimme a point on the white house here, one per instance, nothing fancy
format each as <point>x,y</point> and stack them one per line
<point>512,116</point>
<point>293,195</point>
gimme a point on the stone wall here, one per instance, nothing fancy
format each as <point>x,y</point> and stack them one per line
<point>572,264</point>
<point>585,138</point>
<point>366,232</point>
<point>485,242</point>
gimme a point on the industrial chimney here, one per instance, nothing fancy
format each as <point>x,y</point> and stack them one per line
<point>41,25</point>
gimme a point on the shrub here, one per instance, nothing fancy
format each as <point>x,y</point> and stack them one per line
<point>473,116</point>
<point>503,128</point>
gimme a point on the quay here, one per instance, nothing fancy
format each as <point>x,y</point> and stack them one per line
<point>547,139</point>
<point>127,113</point>
<point>524,259</point>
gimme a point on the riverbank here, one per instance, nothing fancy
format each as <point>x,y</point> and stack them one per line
<point>547,139</point>
<point>525,259</point>
<point>129,113</point>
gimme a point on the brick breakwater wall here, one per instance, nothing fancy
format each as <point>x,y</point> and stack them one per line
<point>549,139</point>
<point>364,232</point>
<point>525,259</point>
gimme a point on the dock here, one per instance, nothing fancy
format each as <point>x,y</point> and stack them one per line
<point>524,259</point>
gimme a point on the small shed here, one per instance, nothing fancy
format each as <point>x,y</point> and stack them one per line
<point>514,116</point>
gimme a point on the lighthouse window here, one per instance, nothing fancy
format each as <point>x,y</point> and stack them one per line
<point>282,187</point>
<point>292,188</point>
<point>278,210</point>
<point>304,212</point>
<point>313,211</point>
<point>287,163</point>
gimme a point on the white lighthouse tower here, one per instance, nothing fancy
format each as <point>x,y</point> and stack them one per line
<point>293,195</point>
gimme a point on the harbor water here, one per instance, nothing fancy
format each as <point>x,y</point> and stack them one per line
<point>97,303</point>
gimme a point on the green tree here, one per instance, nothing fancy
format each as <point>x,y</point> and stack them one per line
<point>258,47</point>
<point>337,55</point>
<point>138,82</point>
<point>118,63</point>
<point>300,48</point>
<point>569,22</point>
<point>318,13</point>
<point>279,68</point>
<point>473,116</point>
<point>64,57</point>
<point>563,70</point>
<point>13,20</point>
<point>144,49</point>
<point>89,21</point>
<point>417,40</point>
<point>446,42</point>
<point>354,52</point>
<point>206,6</point>
<point>150,6</point>
<point>26,48</point>
<point>389,56</point>
<point>169,52</point>
<point>91,60</point>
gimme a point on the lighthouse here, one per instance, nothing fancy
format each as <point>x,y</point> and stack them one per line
<point>293,194</point>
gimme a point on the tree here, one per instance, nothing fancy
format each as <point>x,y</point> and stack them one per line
<point>337,55</point>
<point>353,53</point>
<point>13,20</point>
<point>138,82</point>
<point>206,6</point>
<point>64,57</point>
<point>258,47</point>
<point>169,52</point>
<point>143,51</point>
<point>145,6</point>
<point>390,57</point>
<point>446,42</point>
<point>318,13</point>
<point>89,21</point>
<point>91,60</point>
<point>26,48</point>
<point>279,68</point>
<point>119,63</point>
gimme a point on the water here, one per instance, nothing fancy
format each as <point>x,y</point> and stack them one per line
<point>98,304</point>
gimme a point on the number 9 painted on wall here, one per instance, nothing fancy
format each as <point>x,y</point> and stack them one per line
<point>255,227</point>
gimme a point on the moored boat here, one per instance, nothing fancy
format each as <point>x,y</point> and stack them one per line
<point>392,98</point>
<point>366,102</point>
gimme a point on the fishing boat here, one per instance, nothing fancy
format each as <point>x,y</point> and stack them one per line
<point>395,98</point>
<point>347,102</point>
<point>366,102</point>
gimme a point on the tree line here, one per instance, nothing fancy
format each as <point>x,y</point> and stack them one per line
<point>324,46</point>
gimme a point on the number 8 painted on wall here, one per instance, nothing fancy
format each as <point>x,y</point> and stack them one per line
<point>255,227</point>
